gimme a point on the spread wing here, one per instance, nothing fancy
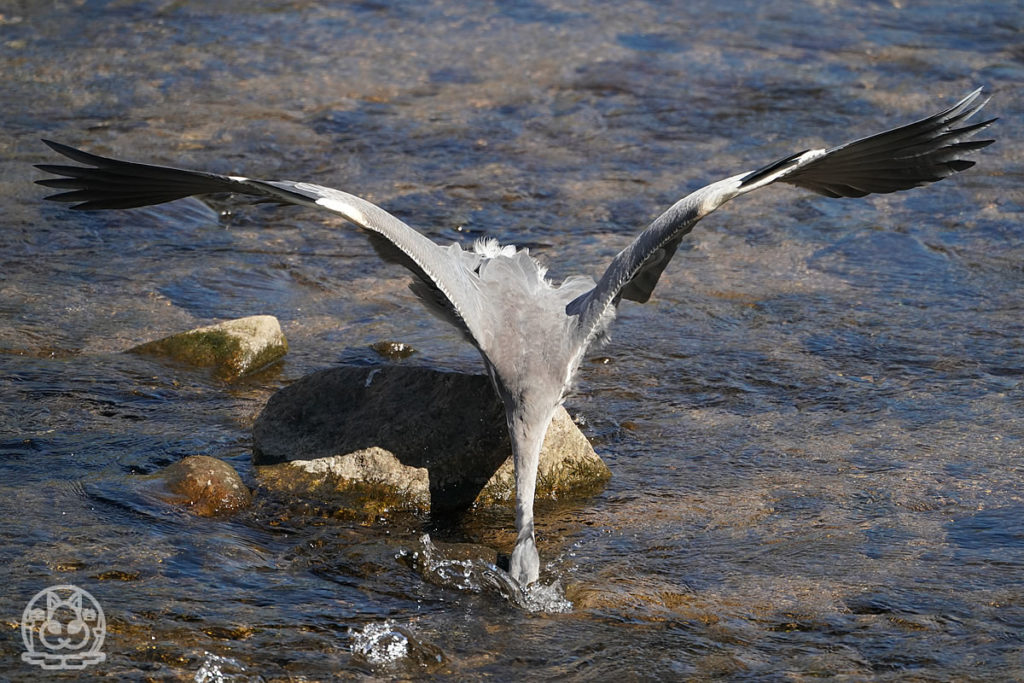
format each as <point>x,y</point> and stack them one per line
<point>445,280</point>
<point>899,159</point>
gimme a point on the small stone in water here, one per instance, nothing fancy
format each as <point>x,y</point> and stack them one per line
<point>393,350</point>
<point>207,486</point>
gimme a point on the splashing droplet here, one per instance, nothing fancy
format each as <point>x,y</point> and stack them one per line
<point>479,576</point>
<point>380,643</point>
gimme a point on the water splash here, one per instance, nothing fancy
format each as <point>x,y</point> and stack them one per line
<point>549,599</point>
<point>385,644</point>
<point>218,669</point>
<point>380,643</point>
<point>476,575</point>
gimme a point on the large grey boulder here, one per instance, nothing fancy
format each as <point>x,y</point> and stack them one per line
<point>398,437</point>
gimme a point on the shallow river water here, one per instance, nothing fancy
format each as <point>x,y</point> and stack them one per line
<point>815,428</point>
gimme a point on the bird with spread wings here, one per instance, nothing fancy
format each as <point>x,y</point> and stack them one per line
<point>531,332</point>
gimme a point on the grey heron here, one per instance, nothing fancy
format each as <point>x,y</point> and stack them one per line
<point>532,333</point>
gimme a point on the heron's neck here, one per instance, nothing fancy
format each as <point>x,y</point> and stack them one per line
<point>528,423</point>
<point>527,426</point>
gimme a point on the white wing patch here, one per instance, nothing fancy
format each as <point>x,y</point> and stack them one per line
<point>714,195</point>
<point>343,207</point>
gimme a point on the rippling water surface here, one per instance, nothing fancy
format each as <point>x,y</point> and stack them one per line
<point>814,428</point>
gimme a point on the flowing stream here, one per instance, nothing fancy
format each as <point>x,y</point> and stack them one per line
<point>815,427</point>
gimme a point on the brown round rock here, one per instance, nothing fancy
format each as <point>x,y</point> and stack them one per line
<point>207,486</point>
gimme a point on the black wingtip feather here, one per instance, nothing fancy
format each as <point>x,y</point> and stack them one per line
<point>902,158</point>
<point>104,183</point>
<point>957,165</point>
<point>74,154</point>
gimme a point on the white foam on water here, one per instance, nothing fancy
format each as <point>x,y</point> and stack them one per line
<point>380,643</point>
<point>218,669</point>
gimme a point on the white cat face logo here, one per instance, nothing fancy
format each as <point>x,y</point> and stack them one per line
<point>68,633</point>
<point>66,626</point>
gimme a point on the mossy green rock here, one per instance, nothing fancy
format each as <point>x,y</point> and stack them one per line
<point>232,348</point>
